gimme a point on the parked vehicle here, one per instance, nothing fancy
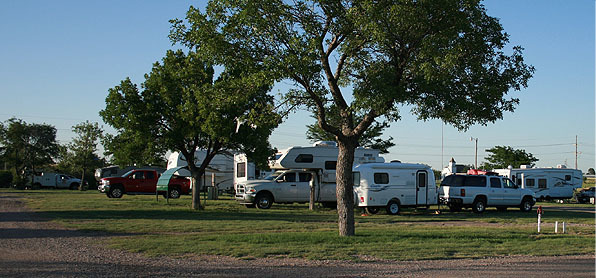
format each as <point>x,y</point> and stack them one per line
<point>546,183</point>
<point>116,171</point>
<point>55,180</point>
<point>219,172</point>
<point>141,182</point>
<point>394,185</point>
<point>296,168</point>
<point>481,191</point>
<point>584,196</point>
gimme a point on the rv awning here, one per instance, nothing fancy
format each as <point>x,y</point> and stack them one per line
<point>164,179</point>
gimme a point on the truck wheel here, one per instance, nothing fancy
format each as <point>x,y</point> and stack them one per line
<point>74,186</point>
<point>116,192</point>
<point>263,201</point>
<point>479,205</point>
<point>372,210</point>
<point>393,207</point>
<point>174,193</point>
<point>526,205</point>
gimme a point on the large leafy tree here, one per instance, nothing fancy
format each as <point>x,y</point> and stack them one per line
<point>84,147</point>
<point>27,147</point>
<point>371,138</point>
<point>444,59</point>
<point>131,147</point>
<point>182,107</point>
<point>503,156</point>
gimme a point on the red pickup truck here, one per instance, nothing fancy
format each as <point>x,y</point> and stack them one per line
<point>141,182</point>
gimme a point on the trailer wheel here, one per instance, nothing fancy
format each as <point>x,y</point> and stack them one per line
<point>454,208</point>
<point>393,207</point>
<point>372,210</point>
<point>264,201</point>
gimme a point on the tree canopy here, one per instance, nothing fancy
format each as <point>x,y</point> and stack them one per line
<point>182,106</point>
<point>27,147</point>
<point>442,59</point>
<point>503,156</point>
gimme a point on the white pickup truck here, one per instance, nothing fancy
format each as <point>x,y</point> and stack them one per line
<point>481,191</point>
<point>284,186</point>
<point>55,180</point>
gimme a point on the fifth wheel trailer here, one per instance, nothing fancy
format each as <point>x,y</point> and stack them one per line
<point>547,183</point>
<point>220,170</point>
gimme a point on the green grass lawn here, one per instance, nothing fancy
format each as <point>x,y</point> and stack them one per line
<point>140,224</point>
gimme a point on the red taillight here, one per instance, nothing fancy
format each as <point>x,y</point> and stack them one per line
<point>362,199</point>
<point>462,192</point>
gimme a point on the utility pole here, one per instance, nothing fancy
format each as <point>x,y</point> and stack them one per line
<point>575,151</point>
<point>476,153</point>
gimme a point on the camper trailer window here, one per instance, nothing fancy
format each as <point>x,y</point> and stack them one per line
<point>422,179</point>
<point>356,177</point>
<point>241,170</point>
<point>495,183</point>
<point>304,177</point>
<point>304,158</point>
<point>567,177</point>
<point>541,183</point>
<point>529,182</point>
<point>330,165</point>
<point>290,177</point>
<point>475,181</point>
<point>381,178</point>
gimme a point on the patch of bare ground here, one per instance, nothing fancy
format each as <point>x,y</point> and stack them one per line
<point>31,246</point>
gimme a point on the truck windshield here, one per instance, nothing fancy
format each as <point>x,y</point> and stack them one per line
<point>273,175</point>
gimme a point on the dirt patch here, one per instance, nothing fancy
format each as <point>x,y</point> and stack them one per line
<point>31,246</point>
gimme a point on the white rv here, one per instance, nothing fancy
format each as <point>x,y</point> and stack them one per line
<point>220,171</point>
<point>296,168</point>
<point>547,183</point>
<point>394,185</point>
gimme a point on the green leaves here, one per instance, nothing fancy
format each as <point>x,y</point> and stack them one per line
<point>503,156</point>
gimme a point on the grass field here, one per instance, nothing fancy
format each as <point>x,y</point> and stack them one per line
<point>140,224</point>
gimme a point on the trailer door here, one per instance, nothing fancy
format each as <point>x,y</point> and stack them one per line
<point>421,188</point>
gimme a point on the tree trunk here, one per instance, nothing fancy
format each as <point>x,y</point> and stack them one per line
<point>196,192</point>
<point>81,188</point>
<point>312,183</point>
<point>345,187</point>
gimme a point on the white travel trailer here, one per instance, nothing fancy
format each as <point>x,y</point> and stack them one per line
<point>393,186</point>
<point>547,183</point>
<point>220,171</point>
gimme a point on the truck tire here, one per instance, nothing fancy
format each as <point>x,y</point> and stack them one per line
<point>116,192</point>
<point>526,205</point>
<point>372,210</point>
<point>74,186</point>
<point>392,207</point>
<point>174,193</point>
<point>479,205</point>
<point>263,200</point>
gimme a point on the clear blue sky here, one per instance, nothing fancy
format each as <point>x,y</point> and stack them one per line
<point>58,59</point>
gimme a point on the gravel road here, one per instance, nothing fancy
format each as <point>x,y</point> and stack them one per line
<point>31,246</point>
